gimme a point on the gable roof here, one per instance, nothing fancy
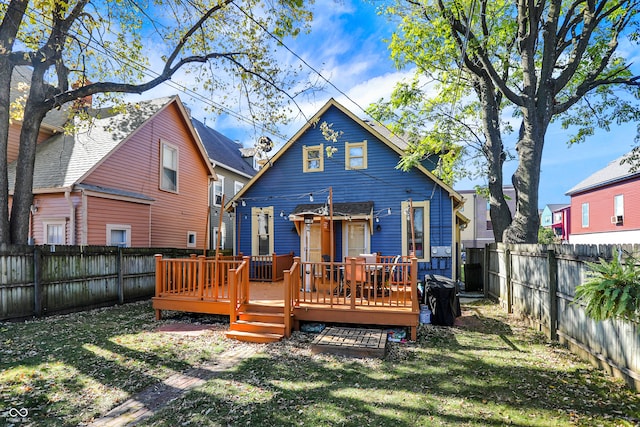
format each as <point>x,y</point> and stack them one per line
<point>613,172</point>
<point>376,131</point>
<point>554,207</point>
<point>65,160</point>
<point>222,150</point>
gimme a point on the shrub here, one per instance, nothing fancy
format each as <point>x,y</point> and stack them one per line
<point>612,289</point>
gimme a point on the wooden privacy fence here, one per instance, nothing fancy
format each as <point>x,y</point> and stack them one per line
<point>539,283</point>
<point>40,280</point>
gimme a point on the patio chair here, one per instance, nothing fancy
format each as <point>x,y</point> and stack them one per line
<point>357,278</point>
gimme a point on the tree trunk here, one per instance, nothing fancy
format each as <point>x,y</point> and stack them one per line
<point>526,180</point>
<point>493,150</point>
<point>23,192</point>
<point>5,89</point>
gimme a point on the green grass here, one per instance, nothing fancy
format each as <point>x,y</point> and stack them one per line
<point>489,371</point>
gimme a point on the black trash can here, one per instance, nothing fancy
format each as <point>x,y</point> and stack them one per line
<point>441,296</point>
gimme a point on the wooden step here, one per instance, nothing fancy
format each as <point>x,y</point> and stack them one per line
<point>253,336</point>
<point>258,327</point>
<point>261,316</point>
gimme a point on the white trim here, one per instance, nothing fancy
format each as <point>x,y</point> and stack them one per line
<point>426,238</point>
<point>192,243</point>
<point>119,227</point>
<point>54,221</point>
<point>163,144</point>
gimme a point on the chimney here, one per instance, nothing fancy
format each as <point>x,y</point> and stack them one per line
<point>82,104</point>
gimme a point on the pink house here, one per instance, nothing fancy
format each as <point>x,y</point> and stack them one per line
<point>137,178</point>
<point>605,206</point>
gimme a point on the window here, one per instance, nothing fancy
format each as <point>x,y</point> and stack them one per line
<point>214,237</point>
<point>169,168</point>
<point>237,186</point>
<point>416,240</point>
<point>262,231</point>
<point>191,239</point>
<point>217,190</point>
<point>313,158</point>
<point>119,235</point>
<point>356,155</point>
<point>55,231</point>
<point>585,215</point>
<point>618,205</point>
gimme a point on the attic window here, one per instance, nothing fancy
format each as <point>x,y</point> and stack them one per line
<point>356,155</point>
<point>313,159</point>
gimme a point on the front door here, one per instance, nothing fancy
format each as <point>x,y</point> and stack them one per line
<point>310,249</point>
<point>355,238</point>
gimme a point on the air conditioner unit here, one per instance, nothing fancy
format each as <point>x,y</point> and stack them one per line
<point>616,219</point>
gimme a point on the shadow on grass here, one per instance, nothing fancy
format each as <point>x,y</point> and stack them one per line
<point>454,376</point>
<point>59,358</point>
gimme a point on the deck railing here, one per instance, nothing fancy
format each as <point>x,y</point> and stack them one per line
<point>196,277</point>
<point>238,288</point>
<point>269,268</point>
<point>292,278</point>
<point>388,282</point>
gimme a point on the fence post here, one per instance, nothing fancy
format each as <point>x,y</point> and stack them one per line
<point>485,270</point>
<point>507,262</point>
<point>553,298</point>
<point>37,285</point>
<point>120,276</point>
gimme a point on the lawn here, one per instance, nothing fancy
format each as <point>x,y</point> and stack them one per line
<point>489,370</point>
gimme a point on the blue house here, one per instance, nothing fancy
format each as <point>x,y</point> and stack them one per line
<point>323,199</point>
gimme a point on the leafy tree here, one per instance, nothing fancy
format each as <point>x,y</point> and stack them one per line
<point>477,61</point>
<point>80,48</point>
<point>546,236</point>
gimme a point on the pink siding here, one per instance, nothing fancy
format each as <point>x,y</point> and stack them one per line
<point>52,207</point>
<point>107,211</point>
<point>135,167</point>
<point>601,208</point>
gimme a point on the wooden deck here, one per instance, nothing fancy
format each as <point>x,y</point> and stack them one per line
<point>384,294</point>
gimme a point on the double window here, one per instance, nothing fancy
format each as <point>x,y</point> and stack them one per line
<point>217,190</point>
<point>168,167</point>
<point>356,155</point>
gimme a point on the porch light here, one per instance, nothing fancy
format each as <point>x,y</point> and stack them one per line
<point>244,203</point>
<point>311,197</point>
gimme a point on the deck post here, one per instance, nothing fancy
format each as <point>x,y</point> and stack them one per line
<point>233,296</point>
<point>202,276</point>
<point>353,286</point>
<point>245,280</point>
<point>287,303</point>
<point>415,304</point>
<point>159,284</point>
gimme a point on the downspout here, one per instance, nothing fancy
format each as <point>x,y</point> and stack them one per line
<point>84,231</point>
<point>72,218</point>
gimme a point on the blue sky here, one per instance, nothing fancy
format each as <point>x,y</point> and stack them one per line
<point>346,46</point>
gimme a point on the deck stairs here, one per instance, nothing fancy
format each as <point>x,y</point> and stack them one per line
<point>258,323</point>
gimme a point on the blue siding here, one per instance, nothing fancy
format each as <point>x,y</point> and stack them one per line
<point>284,186</point>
